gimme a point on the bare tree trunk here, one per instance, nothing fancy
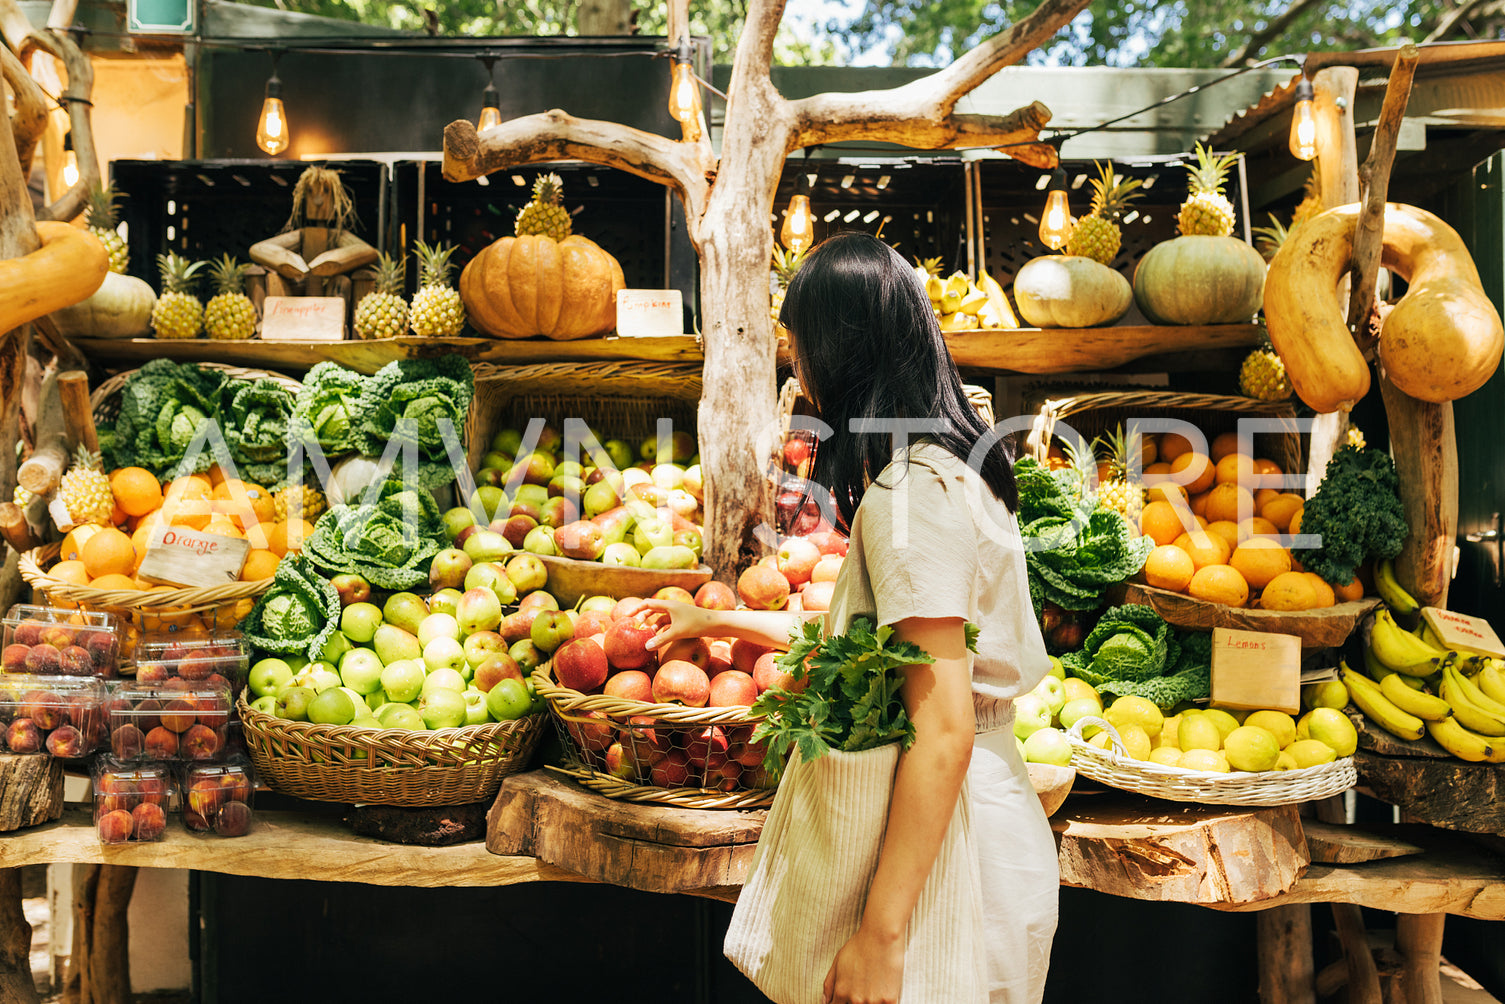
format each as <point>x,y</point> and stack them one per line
<point>16,984</point>
<point>604,17</point>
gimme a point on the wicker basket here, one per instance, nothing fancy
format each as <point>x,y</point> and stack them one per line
<point>341,763</point>
<point>621,398</point>
<point>574,713</point>
<point>1090,414</point>
<point>1114,767</point>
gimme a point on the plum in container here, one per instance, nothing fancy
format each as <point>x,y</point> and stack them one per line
<point>51,641</point>
<point>173,720</point>
<point>61,715</point>
<point>217,797</point>
<point>221,659</point>
<point>131,800</point>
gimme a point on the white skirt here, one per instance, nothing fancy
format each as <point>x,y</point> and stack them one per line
<point>1017,862</point>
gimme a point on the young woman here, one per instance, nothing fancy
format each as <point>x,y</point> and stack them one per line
<point>934,545</point>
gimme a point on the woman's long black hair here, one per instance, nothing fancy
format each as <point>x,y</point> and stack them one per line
<point>867,346</point>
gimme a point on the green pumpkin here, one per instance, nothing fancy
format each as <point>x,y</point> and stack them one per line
<point>1200,280</point>
<point>1069,291</point>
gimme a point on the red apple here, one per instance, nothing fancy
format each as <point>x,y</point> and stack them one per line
<point>716,596</point>
<point>797,558</point>
<point>767,675</point>
<point>620,762</point>
<point>763,588</point>
<point>623,605</point>
<point>592,622</point>
<point>592,736</point>
<point>580,665</point>
<point>673,771</point>
<point>745,655</point>
<point>827,568</point>
<point>630,685</point>
<point>495,668</point>
<point>817,596</point>
<point>829,542</point>
<point>731,688</point>
<point>680,682</point>
<point>694,650</point>
<point>627,643</point>
<point>706,748</point>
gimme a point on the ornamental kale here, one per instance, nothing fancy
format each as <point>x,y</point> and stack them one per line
<point>297,615</point>
<point>163,406</point>
<point>326,410</point>
<point>412,401</point>
<point>1075,551</point>
<point>390,543</point>
<point>256,423</point>
<point>851,697</point>
<point>1358,513</point>
<point>1133,651</point>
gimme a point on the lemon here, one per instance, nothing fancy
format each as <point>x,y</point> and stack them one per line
<point>1328,694</point>
<point>1285,761</point>
<point>1080,689</point>
<point>1281,725</point>
<point>1136,742</point>
<point>1137,710</point>
<point>1238,714</point>
<point>1331,726</point>
<point>1166,756</point>
<point>1310,753</point>
<point>1304,726</point>
<point>1203,759</point>
<point>1225,722</point>
<point>1168,736</point>
<point>1081,708</point>
<point>1198,732</point>
<point>1101,740</point>
<point>1251,748</point>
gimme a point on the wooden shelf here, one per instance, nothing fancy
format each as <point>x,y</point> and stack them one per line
<point>1043,351</point>
<point>370,356</point>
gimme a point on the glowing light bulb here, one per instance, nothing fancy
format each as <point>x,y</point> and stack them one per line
<point>271,132</point>
<point>684,94</point>
<point>798,232</point>
<point>1304,123</point>
<point>1056,222</point>
<point>70,169</point>
<point>491,112</point>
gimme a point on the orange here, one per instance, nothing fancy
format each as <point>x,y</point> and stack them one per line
<point>197,480</point>
<point>73,544</point>
<point>1163,522</point>
<point>160,617</point>
<point>1256,526</point>
<point>117,515</point>
<point>137,490</point>
<point>140,537</point>
<point>1237,469</point>
<point>1262,496</point>
<point>1226,529</point>
<point>1156,472</point>
<point>109,551</point>
<point>1223,444</point>
<point>289,536</point>
<point>1259,560</point>
<point>1167,492</point>
<point>1172,445</point>
<point>1269,472</point>
<point>72,572</point>
<point>1288,591</point>
<point>1294,527</point>
<point>114,580</point>
<point>187,503</point>
<point>215,474</point>
<point>1194,472</point>
<point>1349,593</point>
<point>1326,597</point>
<point>1198,503</point>
<point>260,564</point>
<point>224,526</point>
<point>1169,567</point>
<point>1205,548</point>
<point>1228,501</point>
<point>1281,508</point>
<point>1219,584</point>
<point>256,533</point>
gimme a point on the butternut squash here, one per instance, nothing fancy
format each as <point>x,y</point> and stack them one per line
<point>68,267</point>
<point>1441,341</point>
<point>120,308</point>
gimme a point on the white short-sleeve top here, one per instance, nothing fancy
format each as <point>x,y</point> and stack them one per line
<point>930,540</point>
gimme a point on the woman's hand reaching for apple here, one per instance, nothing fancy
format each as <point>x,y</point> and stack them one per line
<point>685,620</point>
<point>769,628</point>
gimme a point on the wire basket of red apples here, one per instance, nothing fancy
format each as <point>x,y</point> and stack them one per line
<point>410,768</point>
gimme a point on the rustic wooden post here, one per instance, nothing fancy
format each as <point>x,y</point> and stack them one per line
<point>1418,937</point>
<point>1283,935</point>
<point>728,218</point>
<point>99,968</point>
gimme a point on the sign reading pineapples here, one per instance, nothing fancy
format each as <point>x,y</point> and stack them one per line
<point>545,280</point>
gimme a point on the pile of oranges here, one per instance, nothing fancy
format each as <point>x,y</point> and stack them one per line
<point>1222,527</point>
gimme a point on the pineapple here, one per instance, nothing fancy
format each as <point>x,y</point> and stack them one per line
<point>1096,235</point>
<point>230,315</point>
<point>1310,204</point>
<point>300,502</point>
<point>544,215</point>
<point>85,490</point>
<point>1267,240</point>
<point>102,223</point>
<point>785,264</point>
<point>1115,489</point>
<point>1263,375</point>
<point>178,313</point>
<point>436,311</point>
<point>1207,211</point>
<point>382,313</point>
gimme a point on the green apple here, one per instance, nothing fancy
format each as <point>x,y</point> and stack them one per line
<point>269,676</point>
<point>438,626</point>
<point>1056,669</point>
<point>442,679</point>
<point>403,681</point>
<point>445,601</point>
<point>509,700</point>
<point>293,702</point>
<point>621,554</point>
<point>401,716</point>
<point>317,676</point>
<point>442,709</point>
<point>361,671</point>
<point>375,700</point>
<point>1048,746</point>
<point>359,621</point>
<point>475,707</point>
<point>1031,714</point>
<point>1053,692</point>
<point>443,653</point>
<point>405,610</point>
<point>266,704</point>
<point>337,645</point>
<point>527,573</point>
<point>526,655</point>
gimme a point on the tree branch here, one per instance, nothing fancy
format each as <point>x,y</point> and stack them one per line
<point>1021,126</point>
<point>30,118</point>
<point>1450,21</point>
<point>556,135</point>
<point>922,110</point>
<point>1272,29</point>
<point>76,97</point>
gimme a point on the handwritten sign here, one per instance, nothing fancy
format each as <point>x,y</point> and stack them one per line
<point>180,556</point>
<point>1256,669</point>
<point>1460,631</point>
<point>650,313</point>
<point>303,319</point>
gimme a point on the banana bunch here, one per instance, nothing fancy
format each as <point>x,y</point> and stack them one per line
<point>1391,591</point>
<point>963,305</point>
<point>1415,686</point>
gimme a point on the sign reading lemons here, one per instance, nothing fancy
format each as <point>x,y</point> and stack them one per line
<point>1256,669</point>
<point>161,17</point>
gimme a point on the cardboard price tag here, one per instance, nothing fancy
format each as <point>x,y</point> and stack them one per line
<point>1463,632</point>
<point>303,319</point>
<point>180,556</point>
<point>1256,669</point>
<point>649,313</point>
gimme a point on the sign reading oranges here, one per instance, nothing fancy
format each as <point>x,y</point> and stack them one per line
<point>183,556</point>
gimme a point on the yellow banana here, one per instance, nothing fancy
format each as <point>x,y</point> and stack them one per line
<point>1378,708</point>
<point>998,301</point>
<point>1377,671</point>
<point>934,288</point>
<point>1469,715</point>
<point>1429,636</point>
<point>1477,696</point>
<point>1399,649</point>
<point>1424,706</point>
<point>1492,681</point>
<point>1391,591</point>
<point>1460,742</point>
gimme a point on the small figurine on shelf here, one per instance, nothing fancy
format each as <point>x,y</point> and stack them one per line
<point>315,251</point>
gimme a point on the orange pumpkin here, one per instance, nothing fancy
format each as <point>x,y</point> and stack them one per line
<point>525,286</point>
